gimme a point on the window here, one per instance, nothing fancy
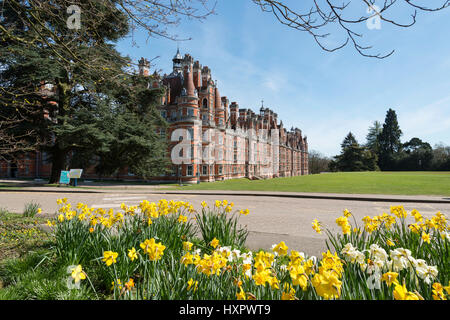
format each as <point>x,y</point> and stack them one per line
<point>190,134</point>
<point>164,114</point>
<point>220,169</point>
<point>205,103</point>
<point>190,112</point>
<point>192,151</point>
<point>190,170</point>
<point>204,170</point>
<point>45,158</point>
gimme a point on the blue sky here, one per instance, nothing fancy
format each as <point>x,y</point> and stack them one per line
<point>326,95</point>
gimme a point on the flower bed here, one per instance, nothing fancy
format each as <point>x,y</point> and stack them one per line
<point>169,250</point>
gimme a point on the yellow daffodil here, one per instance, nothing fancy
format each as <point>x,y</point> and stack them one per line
<point>281,249</point>
<point>192,285</point>
<point>316,226</point>
<point>288,294</point>
<point>417,216</point>
<point>109,257</point>
<point>129,284</point>
<point>390,278</point>
<point>187,245</point>
<point>244,212</point>
<point>154,250</point>
<point>214,243</point>
<point>426,237</point>
<point>438,291</point>
<point>78,274</point>
<point>241,294</point>
<point>401,293</point>
<point>132,254</point>
<point>327,285</point>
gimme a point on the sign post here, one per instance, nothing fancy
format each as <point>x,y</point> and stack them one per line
<point>75,174</point>
<point>64,178</point>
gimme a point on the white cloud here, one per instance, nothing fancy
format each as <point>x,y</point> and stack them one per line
<point>430,121</point>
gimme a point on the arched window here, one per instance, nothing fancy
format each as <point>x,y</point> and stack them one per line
<point>205,103</point>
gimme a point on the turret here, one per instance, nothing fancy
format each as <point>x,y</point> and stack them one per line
<point>177,60</point>
<point>144,67</point>
<point>206,76</point>
<point>197,75</point>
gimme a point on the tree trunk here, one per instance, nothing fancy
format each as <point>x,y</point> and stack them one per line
<point>58,163</point>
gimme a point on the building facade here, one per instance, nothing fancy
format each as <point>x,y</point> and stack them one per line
<point>209,138</point>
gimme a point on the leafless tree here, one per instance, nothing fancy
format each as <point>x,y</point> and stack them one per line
<point>317,17</point>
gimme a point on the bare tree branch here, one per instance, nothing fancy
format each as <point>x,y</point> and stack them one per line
<point>327,13</point>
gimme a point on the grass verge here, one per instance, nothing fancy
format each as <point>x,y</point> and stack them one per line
<point>393,183</point>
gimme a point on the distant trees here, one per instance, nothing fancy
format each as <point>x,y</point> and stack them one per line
<point>317,162</point>
<point>441,157</point>
<point>416,155</point>
<point>384,150</point>
<point>354,157</point>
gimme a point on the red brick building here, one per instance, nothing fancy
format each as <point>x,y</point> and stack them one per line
<point>209,138</point>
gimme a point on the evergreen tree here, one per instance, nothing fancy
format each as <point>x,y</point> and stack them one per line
<point>348,141</point>
<point>353,157</point>
<point>372,138</point>
<point>64,104</point>
<point>389,142</point>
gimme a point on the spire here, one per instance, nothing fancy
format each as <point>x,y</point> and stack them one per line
<point>177,59</point>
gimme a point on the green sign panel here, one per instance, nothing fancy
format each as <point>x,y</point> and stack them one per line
<point>64,178</point>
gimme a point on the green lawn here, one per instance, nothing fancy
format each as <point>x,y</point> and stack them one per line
<point>405,183</point>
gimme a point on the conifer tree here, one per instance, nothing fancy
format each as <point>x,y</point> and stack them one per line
<point>62,100</point>
<point>389,140</point>
<point>372,138</point>
<point>353,157</point>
